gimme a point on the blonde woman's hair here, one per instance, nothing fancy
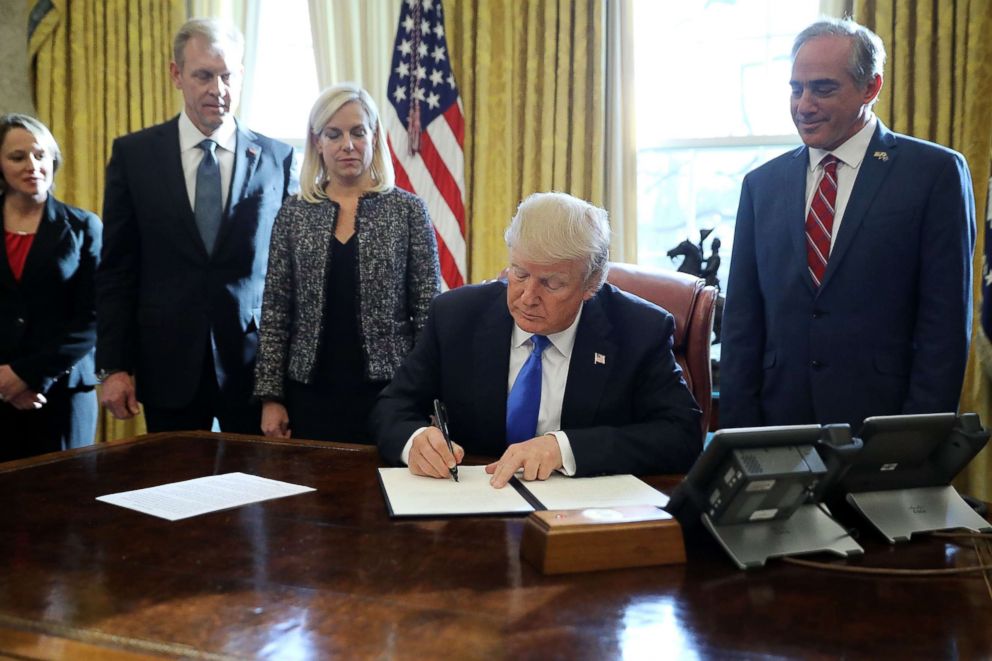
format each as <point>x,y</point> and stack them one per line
<point>38,130</point>
<point>555,227</point>
<point>313,174</point>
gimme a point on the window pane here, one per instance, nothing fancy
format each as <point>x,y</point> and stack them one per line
<point>715,69</point>
<point>683,191</point>
<point>284,77</point>
<point>712,104</point>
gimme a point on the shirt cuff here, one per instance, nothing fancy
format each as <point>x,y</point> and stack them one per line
<point>567,458</point>
<point>405,455</point>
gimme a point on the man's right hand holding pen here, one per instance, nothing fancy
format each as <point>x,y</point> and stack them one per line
<point>429,454</point>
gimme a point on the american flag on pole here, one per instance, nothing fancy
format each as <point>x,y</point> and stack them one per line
<point>426,129</point>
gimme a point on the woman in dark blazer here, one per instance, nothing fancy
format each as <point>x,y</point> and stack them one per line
<point>352,270</point>
<point>47,317</point>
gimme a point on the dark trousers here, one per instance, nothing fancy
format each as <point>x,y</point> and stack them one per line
<point>332,412</point>
<point>238,415</point>
<point>66,421</point>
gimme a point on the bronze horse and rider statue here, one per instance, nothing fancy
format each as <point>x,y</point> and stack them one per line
<point>694,263</point>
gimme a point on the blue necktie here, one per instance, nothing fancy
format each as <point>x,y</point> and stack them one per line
<point>208,206</point>
<point>524,401</point>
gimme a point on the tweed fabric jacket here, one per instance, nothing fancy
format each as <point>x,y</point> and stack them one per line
<point>398,276</point>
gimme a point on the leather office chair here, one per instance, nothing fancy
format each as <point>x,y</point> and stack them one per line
<point>693,305</point>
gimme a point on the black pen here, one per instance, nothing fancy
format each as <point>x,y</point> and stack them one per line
<point>441,414</point>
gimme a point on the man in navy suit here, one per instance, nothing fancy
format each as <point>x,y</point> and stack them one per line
<point>185,248</point>
<point>849,293</point>
<point>608,395</point>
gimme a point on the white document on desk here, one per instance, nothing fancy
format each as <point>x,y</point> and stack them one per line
<point>414,495</point>
<point>570,493</point>
<point>181,500</point>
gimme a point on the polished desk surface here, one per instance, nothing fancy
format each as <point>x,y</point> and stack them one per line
<point>327,573</point>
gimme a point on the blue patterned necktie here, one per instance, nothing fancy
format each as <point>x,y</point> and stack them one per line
<point>524,401</point>
<point>208,206</point>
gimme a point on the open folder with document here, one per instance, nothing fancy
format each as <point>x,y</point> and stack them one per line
<point>413,495</point>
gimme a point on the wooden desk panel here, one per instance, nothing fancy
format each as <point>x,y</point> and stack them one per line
<point>328,573</point>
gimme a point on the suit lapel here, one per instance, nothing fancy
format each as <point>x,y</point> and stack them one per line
<point>875,167</point>
<point>247,152</point>
<point>6,275</point>
<point>795,187</point>
<point>587,374</point>
<point>490,366</point>
<point>51,230</point>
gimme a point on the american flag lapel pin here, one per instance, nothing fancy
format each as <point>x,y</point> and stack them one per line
<point>598,359</point>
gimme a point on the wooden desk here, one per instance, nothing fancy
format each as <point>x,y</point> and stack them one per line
<point>329,574</point>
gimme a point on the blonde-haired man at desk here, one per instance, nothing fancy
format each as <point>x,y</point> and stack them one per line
<point>550,369</point>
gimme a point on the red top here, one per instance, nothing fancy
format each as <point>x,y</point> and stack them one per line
<point>18,246</point>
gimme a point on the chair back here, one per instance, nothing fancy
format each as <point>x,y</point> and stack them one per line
<point>693,305</point>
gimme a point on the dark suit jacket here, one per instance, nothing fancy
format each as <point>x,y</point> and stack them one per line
<point>48,320</point>
<point>888,330</point>
<point>632,414</point>
<point>160,296</point>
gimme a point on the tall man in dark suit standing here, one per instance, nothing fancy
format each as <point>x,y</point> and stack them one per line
<point>188,210</point>
<point>850,281</point>
<point>551,369</point>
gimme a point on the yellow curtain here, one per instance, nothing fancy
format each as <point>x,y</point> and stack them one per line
<point>532,79</point>
<point>100,70</point>
<point>353,40</point>
<point>621,133</point>
<point>937,86</point>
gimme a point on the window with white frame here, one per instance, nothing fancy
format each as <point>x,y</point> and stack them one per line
<point>712,103</point>
<point>283,74</point>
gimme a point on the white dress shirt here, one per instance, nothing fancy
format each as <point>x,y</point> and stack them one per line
<point>554,374</point>
<point>850,155</point>
<point>227,141</point>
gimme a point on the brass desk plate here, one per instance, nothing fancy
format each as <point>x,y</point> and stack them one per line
<point>568,541</point>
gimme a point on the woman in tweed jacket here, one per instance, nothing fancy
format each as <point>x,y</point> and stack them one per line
<point>352,270</point>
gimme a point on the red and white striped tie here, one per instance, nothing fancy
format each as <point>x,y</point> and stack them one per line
<point>820,221</point>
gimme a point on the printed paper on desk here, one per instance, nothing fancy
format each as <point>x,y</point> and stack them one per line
<point>414,495</point>
<point>181,500</point>
<point>567,493</point>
